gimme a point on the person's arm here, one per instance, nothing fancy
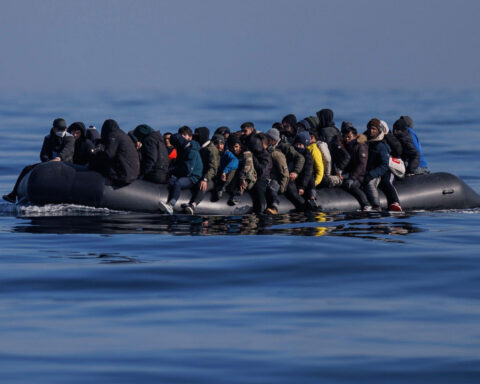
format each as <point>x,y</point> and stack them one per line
<point>317,163</point>
<point>150,155</point>
<point>232,163</point>
<point>67,150</point>
<point>44,156</point>
<point>359,169</point>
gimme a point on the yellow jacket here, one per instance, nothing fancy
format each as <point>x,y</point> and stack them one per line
<point>317,162</point>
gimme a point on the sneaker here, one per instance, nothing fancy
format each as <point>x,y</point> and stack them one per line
<point>377,209</point>
<point>367,208</point>
<point>395,207</point>
<point>272,211</point>
<point>166,207</point>
<point>234,200</point>
<point>11,197</point>
<point>189,209</point>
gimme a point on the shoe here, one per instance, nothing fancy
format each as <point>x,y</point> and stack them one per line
<point>367,208</point>
<point>189,209</point>
<point>377,209</point>
<point>166,207</point>
<point>184,205</point>
<point>234,200</point>
<point>272,211</point>
<point>11,197</point>
<point>395,207</point>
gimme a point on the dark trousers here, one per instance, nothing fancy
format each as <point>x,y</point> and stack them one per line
<point>24,172</point>
<point>259,196</point>
<point>175,187</point>
<point>357,192</point>
<point>198,194</point>
<point>272,194</point>
<point>386,185</point>
<point>291,193</point>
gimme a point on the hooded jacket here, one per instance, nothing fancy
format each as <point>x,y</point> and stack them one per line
<point>154,154</point>
<point>55,146</point>
<point>358,151</point>
<point>378,157</point>
<point>119,161</point>
<point>410,155</point>
<point>262,160</point>
<point>210,159</point>
<point>83,146</point>
<point>295,160</point>
<point>189,162</point>
<point>327,130</point>
<point>279,168</point>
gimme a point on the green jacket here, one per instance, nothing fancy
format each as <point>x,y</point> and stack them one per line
<point>295,160</point>
<point>210,159</point>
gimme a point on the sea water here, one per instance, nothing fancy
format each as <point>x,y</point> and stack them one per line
<point>93,295</point>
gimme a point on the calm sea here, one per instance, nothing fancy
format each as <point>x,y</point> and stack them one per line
<point>94,296</point>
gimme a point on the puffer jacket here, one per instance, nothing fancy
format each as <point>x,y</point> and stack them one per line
<point>358,150</point>
<point>55,146</point>
<point>318,169</point>
<point>378,157</point>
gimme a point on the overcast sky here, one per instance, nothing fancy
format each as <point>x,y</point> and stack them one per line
<point>180,45</point>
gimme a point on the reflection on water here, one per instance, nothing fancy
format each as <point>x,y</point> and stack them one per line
<point>375,226</point>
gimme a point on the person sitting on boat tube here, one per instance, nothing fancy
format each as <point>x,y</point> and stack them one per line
<point>83,145</point>
<point>227,169</point>
<point>279,174</point>
<point>188,167</point>
<point>211,162</point>
<point>356,145</point>
<point>58,145</point>
<point>377,163</point>
<point>153,154</point>
<point>411,156</point>
<point>117,160</point>
<point>301,192</point>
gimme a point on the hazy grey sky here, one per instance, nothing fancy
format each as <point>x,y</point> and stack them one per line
<point>176,45</point>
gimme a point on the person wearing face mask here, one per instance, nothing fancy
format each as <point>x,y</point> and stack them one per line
<point>57,146</point>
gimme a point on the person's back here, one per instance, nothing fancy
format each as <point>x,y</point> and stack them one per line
<point>154,154</point>
<point>422,165</point>
<point>119,161</point>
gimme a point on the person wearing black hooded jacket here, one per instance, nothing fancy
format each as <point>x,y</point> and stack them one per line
<point>153,154</point>
<point>289,128</point>
<point>118,161</point>
<point>57,146</point>
<point>83,146</point>
<point>410,154</point>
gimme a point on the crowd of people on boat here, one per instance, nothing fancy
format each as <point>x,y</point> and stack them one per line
<point>293,158</point>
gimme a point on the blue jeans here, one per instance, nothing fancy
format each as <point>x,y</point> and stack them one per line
<point>175,187</point>
<point>371,189</point>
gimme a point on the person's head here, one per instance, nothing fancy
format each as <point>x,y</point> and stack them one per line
<point>313,137</point>
<point>349,134</point>
<point>201,135</point>
<point>384,127</point>
<point>302,141</point>
<point>142,131</point>
<point>303,125</point>
<point>186,132</point>
<point>247,128</point>
<point>263,137</point>
<point>59,127</point>
<point>273,136</point>
<point>278,125</point>
<point>166,138</point>
<point>219,142</point>
<point>235,145</point>
<point>373,128</point>
<point>77,130</point>
<point>399,126</point>
<point>108,127</point>
<point>408,121</point>
<point>289,124</point>
<point>224,131</point>
<point>325,118</point>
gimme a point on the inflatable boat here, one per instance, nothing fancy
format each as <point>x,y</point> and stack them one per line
<point>56,183</point>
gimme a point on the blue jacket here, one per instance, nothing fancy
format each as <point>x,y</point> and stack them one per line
<point>416,142</point>
<point>228,162</point>
<point>378,157</point>
<point>189,162</point>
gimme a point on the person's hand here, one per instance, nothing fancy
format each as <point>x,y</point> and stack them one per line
<point>224,177</point>
<point>293,176</point>
<point>56,159</point>
<point>138,145</point>
<point>244,185</point>
<point>203,185</point>
<point>301,191</point>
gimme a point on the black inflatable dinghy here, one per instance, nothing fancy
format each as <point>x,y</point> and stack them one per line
<point>56,183</point>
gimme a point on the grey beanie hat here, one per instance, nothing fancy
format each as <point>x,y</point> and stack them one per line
<point>273,133</point>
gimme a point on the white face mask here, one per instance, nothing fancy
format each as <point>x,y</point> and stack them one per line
<point>60,133</point>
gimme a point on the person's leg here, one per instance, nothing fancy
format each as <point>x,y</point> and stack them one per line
<point>372,192</point>
<point>259,196</point>
<point>12,196</point>
<point>180,184</point>
<point>291,193</point>
<point>354,189</point>
<point>198,194</point>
